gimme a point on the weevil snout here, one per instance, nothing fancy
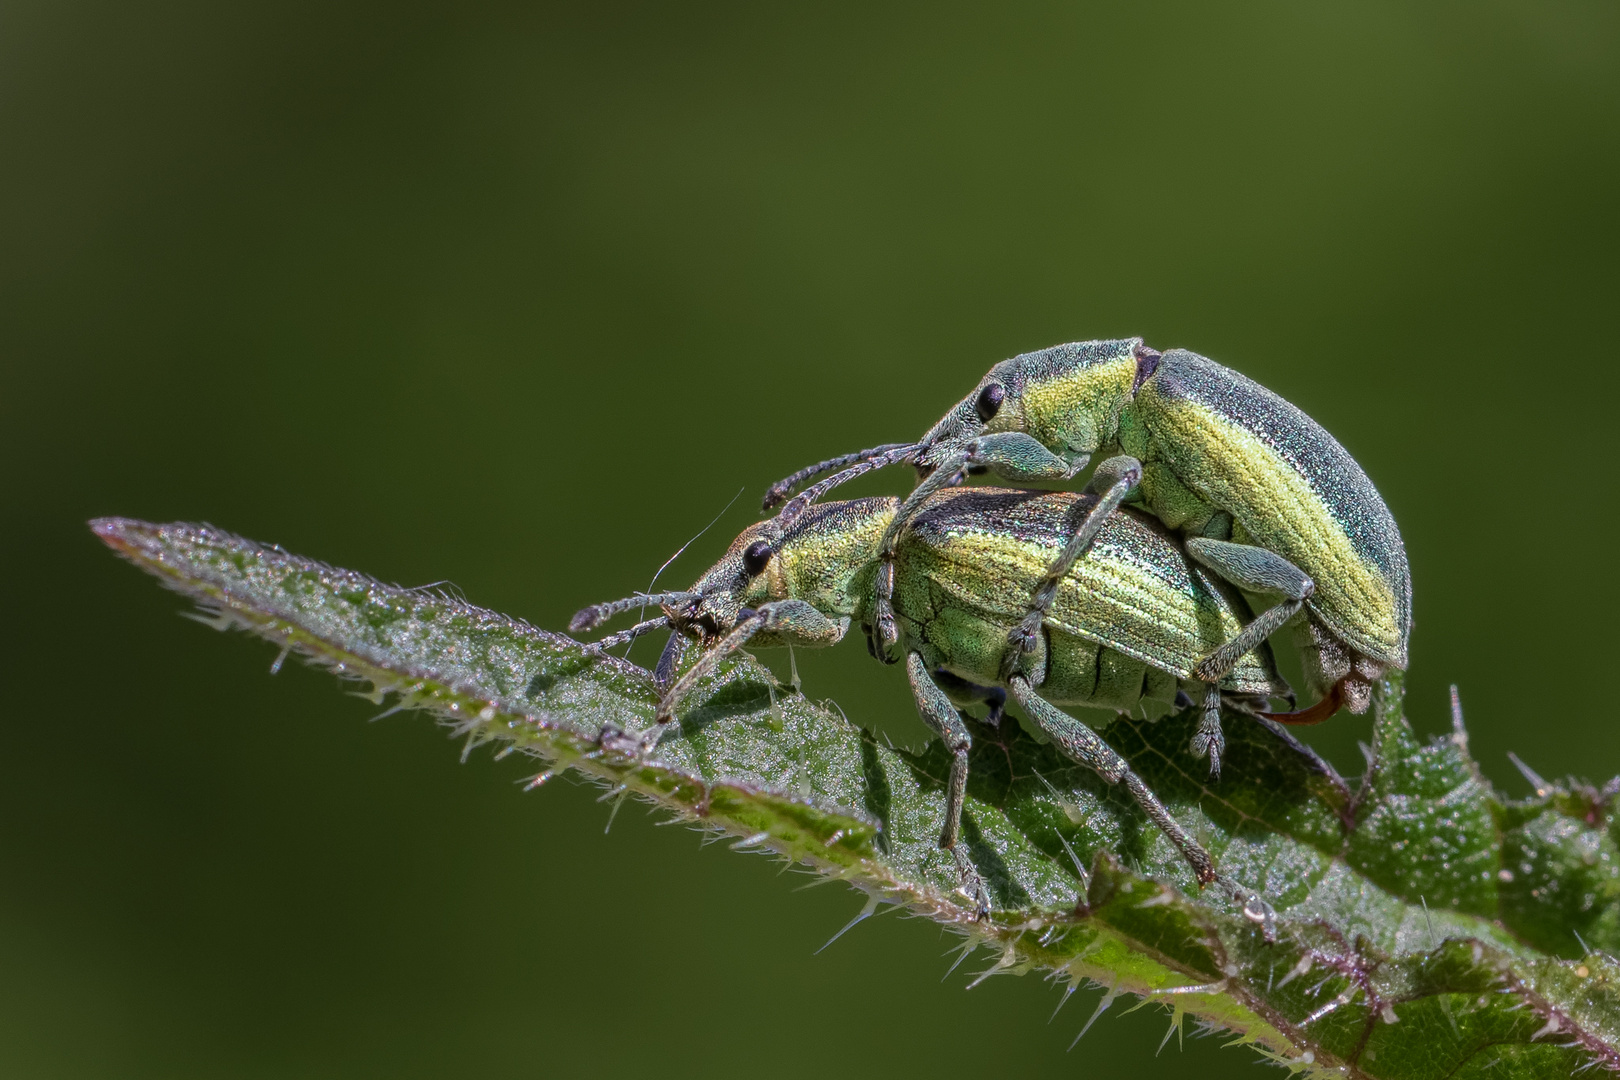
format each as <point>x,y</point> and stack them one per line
<point>718,601</point>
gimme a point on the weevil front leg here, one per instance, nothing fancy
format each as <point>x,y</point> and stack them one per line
<point>793,622</point>
<point>943,719</point>
<point>1113,483</point>
<point>1010,455</point>
<point>1082,744</point>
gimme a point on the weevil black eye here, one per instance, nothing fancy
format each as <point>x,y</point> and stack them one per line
<point>988,402</point>
<point>755,557</point>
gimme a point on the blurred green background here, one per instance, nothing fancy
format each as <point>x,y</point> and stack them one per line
<point>520,296</point>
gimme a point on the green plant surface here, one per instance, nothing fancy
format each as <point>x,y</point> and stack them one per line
<point>1427,927</point>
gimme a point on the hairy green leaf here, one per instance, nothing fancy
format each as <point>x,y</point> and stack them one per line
<point>1427,927</point>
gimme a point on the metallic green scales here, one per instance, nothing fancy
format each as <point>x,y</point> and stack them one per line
<point>1134,608</point>
<point>1288,485</point>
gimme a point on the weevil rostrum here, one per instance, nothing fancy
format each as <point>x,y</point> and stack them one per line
<point>1262,494</point>
<point>1126,626</point>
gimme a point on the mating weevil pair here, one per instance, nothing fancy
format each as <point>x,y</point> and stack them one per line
<point>1126,626</point>
<point>1260,493</point>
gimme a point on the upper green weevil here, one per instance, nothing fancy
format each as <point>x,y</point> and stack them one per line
<point>1264,496</point>
<point>1126,626</point>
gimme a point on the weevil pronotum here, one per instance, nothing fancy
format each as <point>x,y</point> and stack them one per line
<point>1126,626</point>
<point>1263,495</point>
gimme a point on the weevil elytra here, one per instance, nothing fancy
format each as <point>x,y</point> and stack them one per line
<point>1126,625</point>
<point>1263,495</point>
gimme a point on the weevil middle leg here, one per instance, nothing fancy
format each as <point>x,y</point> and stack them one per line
<point>1113,483</point>
<point>1082,744</point>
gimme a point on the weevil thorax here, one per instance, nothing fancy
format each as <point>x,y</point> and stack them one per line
<point>827,558</point>
<point>1068,398</point>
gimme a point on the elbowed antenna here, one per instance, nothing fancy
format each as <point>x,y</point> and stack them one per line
<point>597,614</point>
<point>880,458</point>
<point>779,491</point>
<point>613,640</point>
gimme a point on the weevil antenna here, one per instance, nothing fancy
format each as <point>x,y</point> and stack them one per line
<point>779,491</point>
<point>745,629</point>
<point>597,614</point>
<point>614,640</point>
<point>798,504</point>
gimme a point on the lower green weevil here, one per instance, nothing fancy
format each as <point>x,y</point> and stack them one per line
<point>1125,626</point>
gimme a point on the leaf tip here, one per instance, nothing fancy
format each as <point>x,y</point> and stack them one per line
<point>123,535</point>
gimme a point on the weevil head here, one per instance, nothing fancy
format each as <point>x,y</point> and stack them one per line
<point>1068,398</point>
<point>826,557</point>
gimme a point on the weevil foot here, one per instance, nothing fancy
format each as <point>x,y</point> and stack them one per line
<point>887,633</point>
<point>1255,908</point>
<point>1211,744</point>
<point>1022,641</point>
<point>630,743</point>
<point>972,884</point>
<point>1209,740</point>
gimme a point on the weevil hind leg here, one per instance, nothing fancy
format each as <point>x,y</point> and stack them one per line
<point>1253,569</point>
<point>1210,740</point>
<point>943,719</point>
<point>1082,744</point>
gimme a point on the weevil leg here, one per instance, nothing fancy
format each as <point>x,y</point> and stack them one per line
<point>669,661</point>
<point>1113,483</point>
<point>1084,745</point>
<point>943,719</point>
<point>794,621</point>
<point>1011,455</point>
<point>1209,740</point>
<point>1256,570</point>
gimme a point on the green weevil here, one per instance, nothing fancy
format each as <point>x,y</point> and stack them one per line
<point>1262,494</point>
<point>1125,628</point>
